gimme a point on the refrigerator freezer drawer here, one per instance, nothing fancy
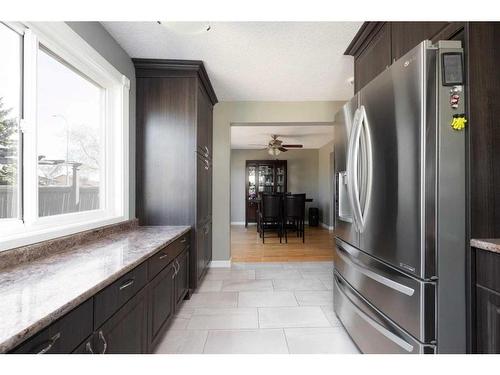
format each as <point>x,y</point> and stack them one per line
<point>370,330</point>
<point>406,300</point>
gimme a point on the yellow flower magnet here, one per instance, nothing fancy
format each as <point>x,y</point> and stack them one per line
<point>458,122</point>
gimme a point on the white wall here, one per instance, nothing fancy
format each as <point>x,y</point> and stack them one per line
<point>226,113</point>
<point>325,184</point>
<point>302,176</point>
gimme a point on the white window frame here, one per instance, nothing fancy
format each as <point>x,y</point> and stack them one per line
<point>61,40</point>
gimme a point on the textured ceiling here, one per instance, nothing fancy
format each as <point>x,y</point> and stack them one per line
<point>257,137</point>
<point>262,61</point>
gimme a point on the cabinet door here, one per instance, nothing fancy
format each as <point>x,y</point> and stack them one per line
<point>182,277</point>
<point>487,321</point>
<point>161,303</point>
<point>374,58</point>
<point>126,331</point>
<point>406,35</point>
<point>208,244</point>
<point>200,251</point>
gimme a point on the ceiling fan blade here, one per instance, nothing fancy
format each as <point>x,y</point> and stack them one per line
<point>282,149</point>
<point>293,146</point>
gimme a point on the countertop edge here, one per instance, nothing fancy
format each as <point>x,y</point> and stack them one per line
<point>39,325</point>
<point>487,244</point>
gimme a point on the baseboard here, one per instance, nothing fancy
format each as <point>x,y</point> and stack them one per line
<point>220,264</point>
<point>237,223</point>
<point>326,226</point>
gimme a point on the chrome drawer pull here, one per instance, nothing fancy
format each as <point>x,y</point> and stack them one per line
<point>163,256</point>
<point>184,240</point>
<point>103,339</point>
<point>127,284</point>
<point>51,343</point>
<point>375,276</point>
<point>381,329</point>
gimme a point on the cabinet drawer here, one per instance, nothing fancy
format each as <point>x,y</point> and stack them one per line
<point>62,336</point>
<point>109,300</point>
<point>487,266</point>
<point>162,258</point>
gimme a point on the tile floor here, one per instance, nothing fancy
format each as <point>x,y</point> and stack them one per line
<point>260,308</point>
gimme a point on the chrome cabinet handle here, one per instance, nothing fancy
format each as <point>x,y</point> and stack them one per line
<point>178,266</point>
<point>163,256</point>
<point>53,340</point>
<point>127,284</point>
<point>183,240</point>
<point>88,348</point>
<point>206,230</point>
<point>175,270</point>
<point>105,343</point>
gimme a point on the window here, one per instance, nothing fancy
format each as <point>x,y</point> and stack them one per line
<point>70,138</point>
<point>63,135</point>
<point>10,114</point>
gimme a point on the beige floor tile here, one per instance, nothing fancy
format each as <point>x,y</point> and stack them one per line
<point>182,342</point>
<point>331,316</point>
<point>210,286</point>
<point>332,340</point>
<point>314,298</point>
<point>277,274</point>
<point>282,317</point>
<point>266,299</point>
<point>247,285</point>
<point>212,299</point>
<point>299,284</point>
<point>229,318</point>
<point>259,341</point>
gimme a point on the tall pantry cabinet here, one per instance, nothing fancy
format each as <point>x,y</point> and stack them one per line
<point>175,102</point>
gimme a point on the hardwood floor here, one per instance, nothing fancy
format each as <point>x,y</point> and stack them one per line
<point>247,246</point>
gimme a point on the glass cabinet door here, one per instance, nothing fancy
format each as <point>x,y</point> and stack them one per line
<point>280,178</point>
<point>252,183</point>
<point>266,178</point>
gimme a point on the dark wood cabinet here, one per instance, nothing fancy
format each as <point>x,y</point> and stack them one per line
<point>262,176</point>
<point>182,278</point>
<point>487,321</point>
<point>129,316</point>
<point>126,331</point>
<point>162,303</point>
<point>174,151</point>
<point>486,297</point>
<point>406,35</point>
<point>374,58</point>
<point>63,335</point>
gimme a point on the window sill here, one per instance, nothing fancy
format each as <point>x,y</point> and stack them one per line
<point>35,236</point>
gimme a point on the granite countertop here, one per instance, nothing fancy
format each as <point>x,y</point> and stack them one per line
<point>35,294</point>
<point>489,244</point>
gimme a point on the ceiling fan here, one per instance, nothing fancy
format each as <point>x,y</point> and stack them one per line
<point>276,146</point>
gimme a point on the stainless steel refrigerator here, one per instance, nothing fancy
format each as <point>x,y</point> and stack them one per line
<point>400,212</point>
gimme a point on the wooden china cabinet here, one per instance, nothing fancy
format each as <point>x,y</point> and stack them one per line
<point>262,176</point>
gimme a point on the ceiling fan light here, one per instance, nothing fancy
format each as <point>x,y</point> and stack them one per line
<point>273,151</point>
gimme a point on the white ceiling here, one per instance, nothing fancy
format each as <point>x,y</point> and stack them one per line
<point>261,61</point>
<point>257,137</point>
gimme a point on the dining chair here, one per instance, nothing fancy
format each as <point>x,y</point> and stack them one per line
<point>271,214</point>
<point>294,214</point>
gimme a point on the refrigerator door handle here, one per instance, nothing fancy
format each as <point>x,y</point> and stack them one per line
<point>347,258</point>
<point>352,170</point>
<point>364,130</point>
<point>382,330</point>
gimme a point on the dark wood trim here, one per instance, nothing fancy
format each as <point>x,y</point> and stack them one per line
<point>182,67</point>
<point>363,37</point>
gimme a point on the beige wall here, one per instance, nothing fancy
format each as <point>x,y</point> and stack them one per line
<point>325,184</point>
<point>302,176</point>
<point>226,113</point>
